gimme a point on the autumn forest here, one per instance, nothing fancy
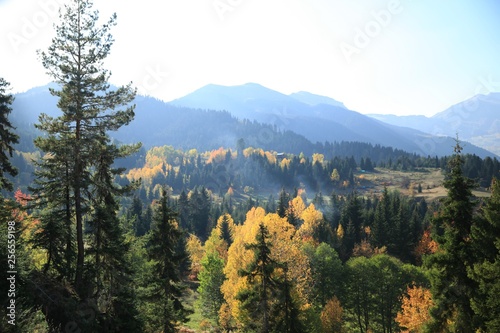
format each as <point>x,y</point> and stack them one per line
<point>101,236</point>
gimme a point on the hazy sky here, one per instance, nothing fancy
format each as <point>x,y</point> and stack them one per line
<point>387,56</point>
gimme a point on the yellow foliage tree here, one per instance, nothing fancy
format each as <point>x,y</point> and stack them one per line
<point>196,253</point>
<point>309,229</point>
<point>331,316</point>
<point>286,249</point>
<point>318,158</point>
<point>414,312</point>
<point>285,163</point>
<point>294,210</point>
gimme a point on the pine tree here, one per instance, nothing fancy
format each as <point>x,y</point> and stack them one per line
<point>256,301</point>
<point>267,304</point>
<point>283,203</point>
<point>90,110</point>
<point>109,273</point>
<point>166,285</point>
<point>486,242</point>
<point>199,213</point>
<point>380,227</point>
<point>7,137</point>
<point>451,286</point>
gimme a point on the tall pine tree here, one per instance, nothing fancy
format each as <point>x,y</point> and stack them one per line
<point>486,272</point>
<point>267,304</point>
<point>7,136</point>
<point>73,141</point>
<point>166,286</point>
<point>452,288</point>
<point>7,139</point>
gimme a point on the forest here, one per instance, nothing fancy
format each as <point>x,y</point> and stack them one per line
<point>100,236</point>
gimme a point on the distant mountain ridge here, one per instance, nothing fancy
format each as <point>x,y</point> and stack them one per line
<point>476,120</point>
<point>318,118</point>
<point>265,118</point>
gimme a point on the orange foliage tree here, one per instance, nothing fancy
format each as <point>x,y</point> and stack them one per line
<point>414,311</point>
<point>331,316</point>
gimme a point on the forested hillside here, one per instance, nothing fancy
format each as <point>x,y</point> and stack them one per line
<point>269,233</point>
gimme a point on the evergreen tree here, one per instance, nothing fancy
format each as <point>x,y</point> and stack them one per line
<point>380,227</point>
<point>352,222</point>
<point>451,286</point>
<point>486,242</point>
<point>109,273</point>
<point>224,229</point>
<point>183,210</point>
<point>89,111</point>
<point>199,213</point>
<point>135,214</point>
<point>283,202</point>
<point>7,137</point>
<point>264,302</point>
<point>165,286</point>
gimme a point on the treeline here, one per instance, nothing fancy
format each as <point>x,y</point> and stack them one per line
<point>246,170</point>
<point>244,166</point>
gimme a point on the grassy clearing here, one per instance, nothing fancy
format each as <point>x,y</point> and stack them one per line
<point>430,179</point>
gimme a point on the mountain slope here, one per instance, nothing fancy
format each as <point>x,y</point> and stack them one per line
<point>476,120</point>
<point>312,99</point>
<point>284,123</point>
<point>315,117</point>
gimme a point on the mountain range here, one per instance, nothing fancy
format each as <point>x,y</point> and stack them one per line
<point>319,118</point>
<point>215,116</point>
<point>476,120</point>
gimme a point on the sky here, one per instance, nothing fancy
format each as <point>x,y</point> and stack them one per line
<point>403,57</point>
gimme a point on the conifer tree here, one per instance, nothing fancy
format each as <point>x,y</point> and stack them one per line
<point>165,286</point>
<point>7,137</point>
<point>451,286</point>
<point>283,202</point>
<point>486,242</point>
<point>267,304</point>
<point>73,141</point>
<point>109,274</point>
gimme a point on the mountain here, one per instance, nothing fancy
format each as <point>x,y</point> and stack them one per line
<point>262,117</point>
<point>157,123</point>
<point>312,99</point>
<point>317,118</point>
<point>475,120</point>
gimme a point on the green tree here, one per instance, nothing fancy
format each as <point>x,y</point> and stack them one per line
<point>89,111</point>
<point>267,304</point>
<point>451,287</point>
<point>7,137</point>
<point>211,277</point>
<point>374,291</point>
<point>165,285</point>
<point>109,271</point>
<point>359,293</point>
<point>327,272</point>
<point>486,239</point>
<point>283,202</point>
<point>380,227</point>
<point>199,213</point>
